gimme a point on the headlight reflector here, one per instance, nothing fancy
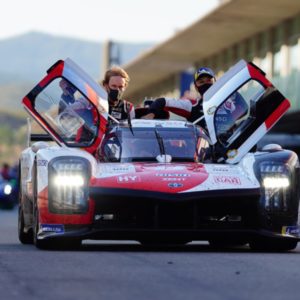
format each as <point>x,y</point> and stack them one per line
<point>276,182</point>
<point>275,178</point>
<point>68,185</point>
<point>68,180</point>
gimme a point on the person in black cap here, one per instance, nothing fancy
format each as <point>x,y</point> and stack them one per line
<point>191,109</point>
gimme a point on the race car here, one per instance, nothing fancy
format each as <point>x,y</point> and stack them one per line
<point>157,181</point>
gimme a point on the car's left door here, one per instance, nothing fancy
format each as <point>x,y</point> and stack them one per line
<point>70,106</point>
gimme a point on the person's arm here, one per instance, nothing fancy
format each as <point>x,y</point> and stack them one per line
<point>180,107</point>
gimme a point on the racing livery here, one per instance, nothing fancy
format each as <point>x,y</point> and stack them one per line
<point>157,181</point>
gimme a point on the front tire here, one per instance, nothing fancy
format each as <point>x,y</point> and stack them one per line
<point>24,237</point>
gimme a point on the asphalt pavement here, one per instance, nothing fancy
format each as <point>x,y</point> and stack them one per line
<point>115,270</point>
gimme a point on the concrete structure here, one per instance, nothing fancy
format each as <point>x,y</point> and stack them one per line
<point>264,31</point>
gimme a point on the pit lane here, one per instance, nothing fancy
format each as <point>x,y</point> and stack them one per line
<point>126,270</point>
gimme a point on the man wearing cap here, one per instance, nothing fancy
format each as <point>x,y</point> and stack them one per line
<point>191,109</point>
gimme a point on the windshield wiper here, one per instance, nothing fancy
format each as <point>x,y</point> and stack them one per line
<point>163,157</point>
<point>129,123</point>
<point>160,143</point>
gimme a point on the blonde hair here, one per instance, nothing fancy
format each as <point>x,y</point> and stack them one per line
<point>115,71</point>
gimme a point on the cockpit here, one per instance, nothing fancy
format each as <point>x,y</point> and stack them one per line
<point>145,144</point>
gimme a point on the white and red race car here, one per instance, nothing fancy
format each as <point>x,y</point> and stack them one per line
<point>158,181</point>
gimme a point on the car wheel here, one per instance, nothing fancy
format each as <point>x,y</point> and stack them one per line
<point>273,245</point>
<point>24,237</point>
<point>41,244</point>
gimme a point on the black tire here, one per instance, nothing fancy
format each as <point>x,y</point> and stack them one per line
<point>273,245</point>
<point>41,244</point>
<point>24,237</point>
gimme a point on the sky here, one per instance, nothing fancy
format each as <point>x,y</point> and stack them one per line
<point>100,20</point>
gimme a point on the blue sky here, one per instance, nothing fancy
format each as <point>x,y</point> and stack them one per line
<point>99,20</point>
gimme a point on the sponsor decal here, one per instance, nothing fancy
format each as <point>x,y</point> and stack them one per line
<point>290,230</point>
<point>211,110</point>
<point>227,180</point>
<point>128,178</point>
<point>220,169</point>
<point>174,179</point>
<point>221,119</point>
<point>173,175</point>
<point>120,169</point>
<point>57,228</point>
<point>42,163</point>
<point>175,185</point>
<point>116,169</point>
<point>175,168</point>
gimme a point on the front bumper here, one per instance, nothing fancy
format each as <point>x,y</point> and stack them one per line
<point>88,232</point>
<point>128,215</point>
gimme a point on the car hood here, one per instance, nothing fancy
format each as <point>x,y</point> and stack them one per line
<point>172,178</point>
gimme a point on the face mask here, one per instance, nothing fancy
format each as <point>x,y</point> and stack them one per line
<point>114,95</point>
<point>203,88</point>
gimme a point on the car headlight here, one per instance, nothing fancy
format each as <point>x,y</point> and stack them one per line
<point>275,180</point>
<point>68,180</point>
<point>68,185</point>
<point>7,189</point>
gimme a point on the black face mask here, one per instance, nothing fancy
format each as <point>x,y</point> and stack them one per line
<point>114,95</point>
<point>203,88</point>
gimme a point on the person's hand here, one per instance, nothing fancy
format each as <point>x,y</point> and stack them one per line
<point>149,116</point>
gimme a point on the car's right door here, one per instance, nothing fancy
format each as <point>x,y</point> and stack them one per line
<point>240,108</point>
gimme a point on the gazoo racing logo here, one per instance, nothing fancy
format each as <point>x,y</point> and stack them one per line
<point>173,176</point>
<point>178,175</point>
<point>233,180</point>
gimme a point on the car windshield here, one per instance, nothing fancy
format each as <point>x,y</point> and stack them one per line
<point>145,144</point>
